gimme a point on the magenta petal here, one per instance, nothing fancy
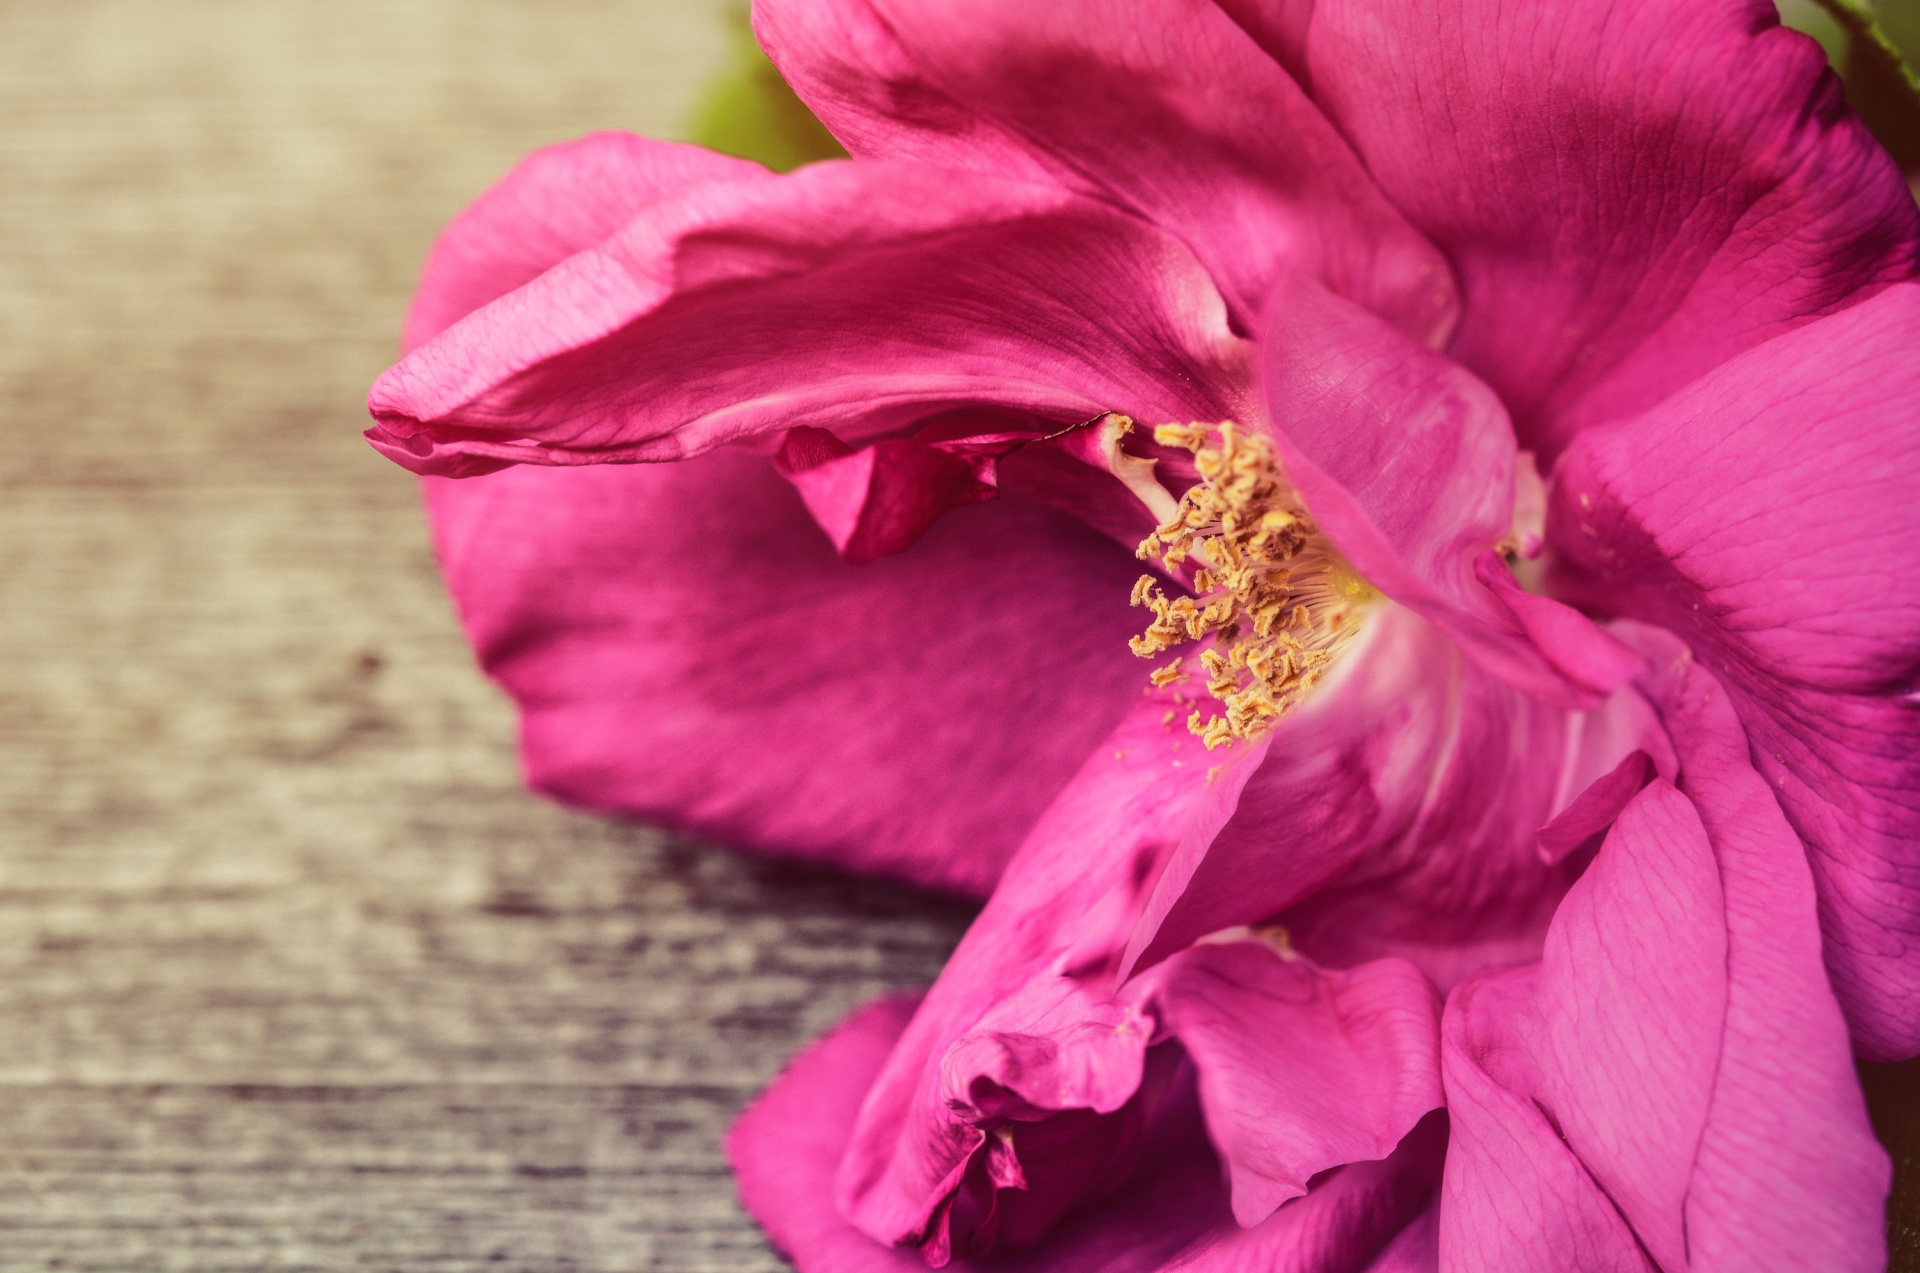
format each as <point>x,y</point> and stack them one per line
<point>1766,514</point>
<point>1631,192</point>
<point>787,1144</point>
<point>1344,1220</point>
<point>556,202</point>
<point>856,298</point>
<point>1514,1195</point>
<point>1788,1174</point>
<point>1631,1035</point>
<point>1171,1216</point>
<point>685,646</point>
<point>1673,1076</point>
<point>1368,830</point>
<point>1035,964</point>
<point>1407,463</point>
<point>1169,111</point>
<point>1302,1069</point>
<point>880,499</point>
<point>1613,1039</point>
<point>1596,808</point>
<point>1567,639</point>
<point>1416,1248</point>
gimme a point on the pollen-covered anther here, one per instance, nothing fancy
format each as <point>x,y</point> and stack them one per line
<point>1272,596</point>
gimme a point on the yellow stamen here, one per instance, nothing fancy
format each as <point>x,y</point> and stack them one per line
<point>1275,598</point>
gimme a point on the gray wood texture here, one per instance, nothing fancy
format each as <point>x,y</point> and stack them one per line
<point>292,973</point>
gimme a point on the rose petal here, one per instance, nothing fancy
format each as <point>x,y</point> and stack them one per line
<point>1344,1220</point>
<point>789,1140</point>
<point>1514,1196</point>
<point>1172,1215</point>
<point>1788,1175</point>
<point>1368,830</point>
<point>1567,639</point>
<point>1169,111</point>
<point>1302,1069</point>
<point>685,646</point>
<point>1673,1077</point>
<point>1416,1248</point>
<point>1631,193</point>
<point>857,298</point>
<point>1596,808</point>
<point>1766,514</point>
<point>555,202</point>
<point>1027,1002</point>
<point>1407,464</point>
<point>1631,1035</point>
<point>882,498</point>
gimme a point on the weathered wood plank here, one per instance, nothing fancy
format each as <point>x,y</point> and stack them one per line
<point>292,974</point>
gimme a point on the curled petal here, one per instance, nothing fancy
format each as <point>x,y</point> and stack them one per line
<point>1407,462</point>
<point>1513,1194</point>
<point>881,498</point>
<point>856,298</point>
<point>1788,1174</point>
<point>1028,1002</point>
<point>1171,1215</point>
<point>792,1136</point>
<point>1629,1002</point>
<point>1301,1069</point>
<point>1344,1220</point>
<point>555,202</point>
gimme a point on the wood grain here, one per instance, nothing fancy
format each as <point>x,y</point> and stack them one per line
<point>292,973</point>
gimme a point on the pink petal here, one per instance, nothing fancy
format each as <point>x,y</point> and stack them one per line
<point>1673,1077</point>
<point>1514,1196</point>
<point>1343,1222</point>
<point>686,647</point>
<point>1169,111</point>
<point>1026,1003</point>
<point>856,298</point>
<point>1027,1021</point>
<point>1302,1069</point>
<point>555,202</point>
<point>1766,514</point>
<point>1631,193</point>
<point>881,498</point>
<point>1596,808</point>
<point>1630,1043</point>
<point>1416,1248</point>
<point>1407,463</point>
<point>1172,1215</point>
<point>1567,639</point>
<point>1788,1174</point>
<point>1368,830</point>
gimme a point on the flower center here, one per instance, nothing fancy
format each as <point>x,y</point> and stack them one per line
<point>1274,600</point>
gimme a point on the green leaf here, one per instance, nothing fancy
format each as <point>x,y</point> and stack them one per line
<point>749,111</point>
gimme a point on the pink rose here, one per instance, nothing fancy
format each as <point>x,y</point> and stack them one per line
<point>1494,872</point>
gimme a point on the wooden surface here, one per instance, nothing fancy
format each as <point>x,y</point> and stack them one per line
<point>292,974</point>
